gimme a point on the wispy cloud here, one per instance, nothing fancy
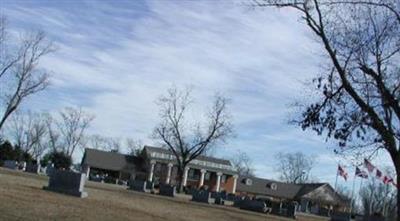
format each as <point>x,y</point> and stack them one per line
<point>116,58</point>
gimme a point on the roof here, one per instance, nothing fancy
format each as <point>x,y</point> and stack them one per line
<point>201,162</point>
<point>261,187</point>
<point>109,160</point>
<point>205,158</point>
<point>308,187</point>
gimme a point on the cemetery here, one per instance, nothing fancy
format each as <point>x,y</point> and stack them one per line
<point>24,199</point>
<point>154,175</point>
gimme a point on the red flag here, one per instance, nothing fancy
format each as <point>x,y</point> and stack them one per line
<point>387,180</point>
<point>378,174</point>
<point>369,165</point>
<point>342,172</point>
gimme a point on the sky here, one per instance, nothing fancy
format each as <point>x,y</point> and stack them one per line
<point>115,58</point>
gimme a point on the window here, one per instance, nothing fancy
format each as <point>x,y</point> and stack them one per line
<point>223,178</point>
<point>207,176</point>
<point>247,182</point>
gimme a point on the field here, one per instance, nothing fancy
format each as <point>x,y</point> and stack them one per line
<point>22,198</point>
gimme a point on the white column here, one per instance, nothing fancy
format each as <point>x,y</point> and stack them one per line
<point>202,173</point>
<point>170,165</point>
<point>185,175</point>
<point>234,183</point>
<point>152,164</point>
<point>87,171</point>
<point>38,166</point>
<point>219,174</point>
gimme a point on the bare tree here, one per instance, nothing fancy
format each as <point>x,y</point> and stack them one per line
<point>53,135</point>
<point>243,164</point>
<point>20,76</point>
<point>377,197</point>
<point>29,131</point>
<point>134,146</point>
<point>72,127</point>
<point>359,93</point>
<point>294,167</point>
<point>105,143</point>
<point>188,141</point>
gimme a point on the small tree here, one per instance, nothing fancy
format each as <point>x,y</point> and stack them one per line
<point>29,132</point>
<point>294,167</point>
<point>188,141</point>
<point>71,129</point>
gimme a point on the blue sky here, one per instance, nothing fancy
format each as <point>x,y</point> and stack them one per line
<point>115,58</point>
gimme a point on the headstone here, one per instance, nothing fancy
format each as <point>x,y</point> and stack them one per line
<point>202,196</point>
<point>167,190</point>
<point>32,168</point>
<point>253,205</point>
<point>137,185</point>
<point>150,185</point>
<point>50,169</point>
<point>11,164</point>
<point>67,182</point>
<point>340,216</point>
<point>219,200</point>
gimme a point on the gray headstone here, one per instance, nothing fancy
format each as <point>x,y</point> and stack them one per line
<point>253,205</point>
<point>137,185</point>
<point>149,185</point>
<point>67,182</point>
<point>11,164</point>
<point>32,168</point>
<point>50,169</point>
<point>219,200</point>
<point>340,216</point>
<point>167,190</point>
<point>202,196</point>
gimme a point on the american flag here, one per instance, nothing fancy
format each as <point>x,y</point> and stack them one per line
<point>369,165</point>
<point>361,173</point>
<point>342,172</point>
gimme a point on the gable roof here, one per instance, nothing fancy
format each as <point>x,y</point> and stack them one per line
<point>109,160</point>
<point>262,187</point>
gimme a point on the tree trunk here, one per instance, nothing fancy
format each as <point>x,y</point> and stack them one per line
<point>180,179</point>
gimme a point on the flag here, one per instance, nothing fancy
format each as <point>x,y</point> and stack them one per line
<point>361,173</point>
<point>342,172</point>
<point>378,174</point>
<point>369,165</point>
<point>387,180</point>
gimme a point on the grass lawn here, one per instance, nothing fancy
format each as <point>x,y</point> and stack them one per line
<point>22,198</point>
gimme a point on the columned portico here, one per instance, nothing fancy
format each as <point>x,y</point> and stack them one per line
<point>170,165</point>
<point>202,174</point>
<point>152,164</point>
<point>235,177</point>
<point>185,175</point>
<point>219,174</point>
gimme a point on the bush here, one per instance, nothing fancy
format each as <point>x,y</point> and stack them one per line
<point>8,152</point>
<point>60,160</point>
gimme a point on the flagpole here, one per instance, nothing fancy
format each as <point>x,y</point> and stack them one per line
<point>352,195</point>
<point>385,200</point>
<point>337,174</point>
